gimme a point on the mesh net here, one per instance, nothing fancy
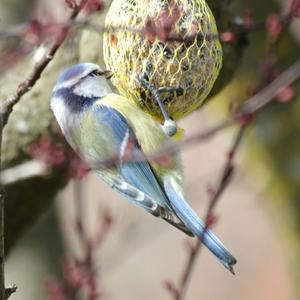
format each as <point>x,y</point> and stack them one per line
<point>192,65</point>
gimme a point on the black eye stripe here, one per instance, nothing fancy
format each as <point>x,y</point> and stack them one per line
<point>107,74</point>
<point>94,73</point>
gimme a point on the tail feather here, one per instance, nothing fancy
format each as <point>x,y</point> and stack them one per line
<point>186,214</point>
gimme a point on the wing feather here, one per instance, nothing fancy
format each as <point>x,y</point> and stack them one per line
<point>137,174</point>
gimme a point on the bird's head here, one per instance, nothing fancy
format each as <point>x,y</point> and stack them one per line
<point>80,85</point>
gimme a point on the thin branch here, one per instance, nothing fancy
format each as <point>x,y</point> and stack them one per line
<point>85,242</point>
<point>10,290</point>
<point>89,244</point>
<point>26,170</point>
<point>265,96</point>
<point>238,29</point>
<point>215,195</point>
<point>5,110</point>
<point>251,106</point>
<point>27,84</point>
<point>268,92</point>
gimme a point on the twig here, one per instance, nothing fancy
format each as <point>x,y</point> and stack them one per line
<point>253,105</point>
<point>248,109</point>
<point>214,197</point>
<point>237,30</point>
<point>80,270</point>
<point>10,290</point>
<point>265,96</point>
<point>85,242</point>
<point>26,85</point>
<point>26,170</point>
<point>7,107</point>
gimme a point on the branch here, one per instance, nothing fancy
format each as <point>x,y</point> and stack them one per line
<point>80,272</point>
<point>10,290</point>
<point>265,96</point>
<point>239,28</point>
<point>27,84</point>
<point>7,107</point>
<point>214,195</point>
<point>26,170</point>
<point>251,106</point>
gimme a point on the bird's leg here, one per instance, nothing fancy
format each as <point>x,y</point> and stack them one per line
<point>169,126</point>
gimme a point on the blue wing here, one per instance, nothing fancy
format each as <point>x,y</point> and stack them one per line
<point>137,174</point>
<point>139,184</point>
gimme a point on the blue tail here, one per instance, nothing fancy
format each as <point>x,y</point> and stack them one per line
<point>196,226</point>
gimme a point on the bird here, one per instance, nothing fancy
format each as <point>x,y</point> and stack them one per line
<point>103,126</point>
<point>182,70</point>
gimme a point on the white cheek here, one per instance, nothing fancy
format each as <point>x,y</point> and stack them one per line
<point>60,111</point>
<point>92,87</point>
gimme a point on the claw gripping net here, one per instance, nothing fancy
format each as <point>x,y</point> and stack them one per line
<point>190,64</point>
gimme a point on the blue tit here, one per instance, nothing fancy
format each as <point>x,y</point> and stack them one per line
<point>99,124</point>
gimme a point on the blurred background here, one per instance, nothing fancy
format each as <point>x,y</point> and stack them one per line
<point>258,214</point>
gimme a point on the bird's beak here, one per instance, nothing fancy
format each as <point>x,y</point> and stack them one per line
<point>107,74</point>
